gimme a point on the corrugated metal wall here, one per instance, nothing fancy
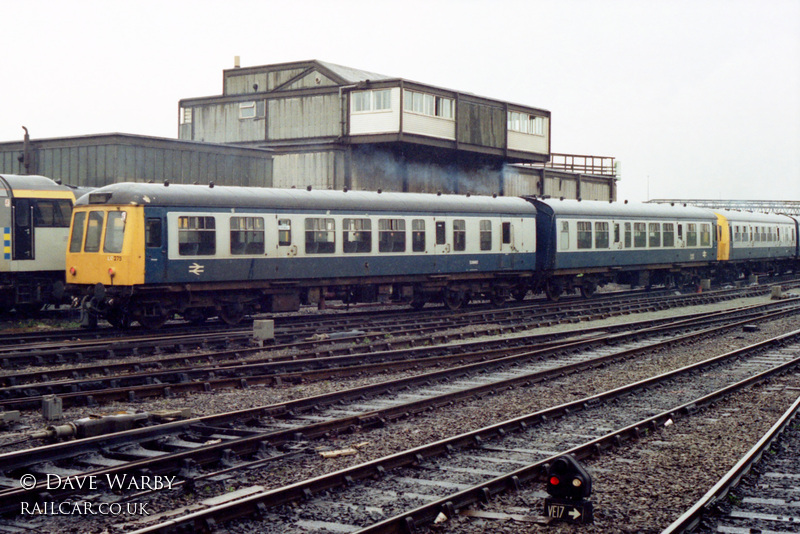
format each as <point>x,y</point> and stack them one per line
<point>317,169</point>
<point>304,117</point>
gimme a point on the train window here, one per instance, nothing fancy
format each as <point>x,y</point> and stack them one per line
<point>197,236</point>
<point>654,240</point>
<point>486,235</point>
<point>639,235</point>
<point>51,213</point>
<point>668,234</point>
<point>584,234</point>
<point>745,235</point>
<point>77,231</point>
<point>152,233</point>
<point>757,234</point>
<point>418,235</point>
<point>459,235</point>
<point>247,235</point>
<point>391,235</point>
<point>441,237</point>
<point>284,232</point>
<point>601,235</point>
<point>320,236</point>
<point>115,232</point>
<point>691,235</point>
<point>627,235</point>
<point>93,231</point>
<point>357,235</point>
<point>564,235</point>
<point>616,233</point>
<point>705,235</point>
<point>506,233</point>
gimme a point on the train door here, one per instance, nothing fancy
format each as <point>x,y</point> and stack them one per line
<point>155,243</point>
<point>23,229</point>
<point>507,244</point>
<point>679,239</point>
<point>441,246</point>
<point>285,245</point>
<point>617,236</point>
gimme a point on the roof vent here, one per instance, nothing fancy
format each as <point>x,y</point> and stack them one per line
<point>211,185</point>
<point>166,183</point>
<point>308,188</point>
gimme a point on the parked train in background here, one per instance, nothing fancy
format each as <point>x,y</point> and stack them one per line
<point>35,214</point>
<point>146,252</point>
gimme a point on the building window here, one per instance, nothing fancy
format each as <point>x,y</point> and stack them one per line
<point>377,100</point>
<point>320,236</point>
<point>247,235</point>
<point>428,104</point>
<point>584,235</point>
<point>459,235</point>
<point>391,235</point>
<point>418,235</point>
<point>639,235</point>
<point>196,236</point>
<point>525,123</point>
<point>486,235</point>
<point>252,110</point>
<point>357,235</point>
<point>186,115</point>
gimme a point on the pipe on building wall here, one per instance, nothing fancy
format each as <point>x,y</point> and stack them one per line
<point>26,152</point>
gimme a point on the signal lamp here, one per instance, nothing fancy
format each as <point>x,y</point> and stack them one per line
<point>567,479</point>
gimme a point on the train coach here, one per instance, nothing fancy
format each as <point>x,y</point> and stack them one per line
<point>145,252</point>
<point>35,216</point>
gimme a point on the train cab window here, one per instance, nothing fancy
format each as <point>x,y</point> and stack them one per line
<point>94,231</point>
<point>152,233</point>
<point>320,236</point>
<point>506,233</point>
<point>691,235</point>
<point>441,235</point>
<point>639,235</point>
<point>627,235</point>
<point>654,236</point>
<point>564,235</point>
<point>51,213</point>
<point>357,235</point>
<point>284,232</point>
<point>247,235</point>
<point>584,235</point>
<point>77,231</point>
<point>668,234</point>
<point>418,235</point>
<point>115,232</point>
<point>705,235</point>
<point>197,236</point>
<point>486,235</point>
<point>391,235</point>
<point>601,235</point>
<point>459,235</point>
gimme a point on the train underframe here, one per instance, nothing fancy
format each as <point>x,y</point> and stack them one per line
<point>28,292</point>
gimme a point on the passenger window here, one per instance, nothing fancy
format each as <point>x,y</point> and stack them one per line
<point>284,232</point>
<point>506,233</point>
<point>441,236</point>
<point>77,231</point>
<point>115,232</point>
<point>459,235</point>
<point>669,235</point>
<point>418,235</point>
<point>247,235</point>
<point>486,235</point>
<point>564,235</point>
<point>705,235</point>
<point>655,235</point>
<point>152,233</point>
<point>616,233</point>
<point>197,236</point>
<point>691,235</point>
<point>391,235</point>
<point>584,235</point>
<point>320,236</point>
<point>357,235</point>
<point>627,235</point>
<point>639,235</point>
<point>51,213</point>
<point>94,231</point>
<point>601,235</point>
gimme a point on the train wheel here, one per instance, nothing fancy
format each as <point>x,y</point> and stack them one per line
<point>418,301</point>
<point>196,316</point>
<point>153,322</point>
<point>498,298</point>
<point>588,290</point>
<point>454,299</point>
<point>119,318</point>
<point>232,314</point>
<point>519,294</point>
<point>553,291</point>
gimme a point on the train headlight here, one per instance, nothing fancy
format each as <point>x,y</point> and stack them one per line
<point>111,272</point>
<point>73,271</point>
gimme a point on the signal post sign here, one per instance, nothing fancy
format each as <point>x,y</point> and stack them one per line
<point>568,510</point>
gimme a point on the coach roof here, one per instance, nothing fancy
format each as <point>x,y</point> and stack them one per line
<point>632,210</point>
<point>182,195</point>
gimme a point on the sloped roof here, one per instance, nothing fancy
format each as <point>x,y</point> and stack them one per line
<point>351,75</point>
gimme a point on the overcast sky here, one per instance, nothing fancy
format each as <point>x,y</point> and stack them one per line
<point>696,98</point>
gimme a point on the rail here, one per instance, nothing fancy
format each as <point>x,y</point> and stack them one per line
<point>581,164</point>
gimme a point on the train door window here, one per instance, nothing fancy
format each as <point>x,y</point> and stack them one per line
<point>51,213</point>
<point>506,228</point>
<point>736,234</point>
<point>639,235</point>
<point>94,231</point>
<point>668,235</point>
<point>197,236</point>
<point>320,236</point>
<point>357,235</point>
<point>564,243</point>
<point>584,234</point>
<point>628,235</point>
<point>391,235</point>
<point>654,240</point>
<point>601,235</point>
<point>418,235</point>
<point>459,234</point>
<point>745,234</point>
<point>76,238</point>
<point>247,235</point>
<point>705,235</point>
<point>691,235</point>
<point>763,233</point>
<point>441,235</point>
<point>115,232</point>
<point>757,234</point>
<point>152,232</point>
<point>778,235</point>
<point>486,234</point>
<point>284,232</point>
<point>616,233</point>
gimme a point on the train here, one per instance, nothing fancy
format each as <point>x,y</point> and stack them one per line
<point>35,214</point>
<point>149,252</point>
